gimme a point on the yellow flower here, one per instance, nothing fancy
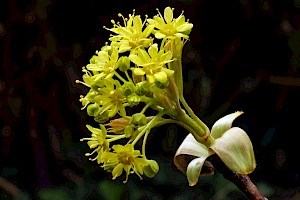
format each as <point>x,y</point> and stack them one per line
<point>152,64</point>
<point>111,98</point>
<point>124,158</point>
<point>170,27</point>
<point>131,35</point>
<point>97,142</point>
<point>104,63</point>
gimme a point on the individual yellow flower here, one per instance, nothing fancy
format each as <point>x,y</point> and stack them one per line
<point>124,158</point>
<point>152,64</point>
<point>170,27</point>
<point>111,98</point>
<point>97,142</point>
<point>104,63</point>
<point>131,35</point>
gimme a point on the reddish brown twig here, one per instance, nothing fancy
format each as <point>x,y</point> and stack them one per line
<point>243,182</point>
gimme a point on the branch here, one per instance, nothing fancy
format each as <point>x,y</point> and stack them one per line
<point>243,182</point>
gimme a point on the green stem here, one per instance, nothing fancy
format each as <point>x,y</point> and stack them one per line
<point>145,108</point>
<point>150,125</point>
<point>112,136</point>
<point>144,143</point>
<point>126,73</point>
<point>147,99</point>
<point>200,134</point>
<point>120,77</point>
<point>174,91</point>
<point>191,126</point>
<point>193,115</point>
<point>116,138</point>
<point>163,43</point>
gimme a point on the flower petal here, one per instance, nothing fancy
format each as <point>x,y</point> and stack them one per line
<point>168,14</point>
<point>144,55</point>
<point>150,78</point>
<point>136,59</point>
<point>114,56</point>
<point>153,49</point>
<point>166,57</point>
<point>148,30</point>
<point>161,77</point>
<point>138,71</point>
<point>159,35</point>
<point>137,24</point>
<point>117,171</point>
<point>169,72</point>
<point>224,124</point>
<point>184,27</point>
<point>96,131</point>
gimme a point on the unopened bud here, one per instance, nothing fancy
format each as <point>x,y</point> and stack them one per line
<point>151,169</point>
<point>139,119</point>
<point>123,63</point>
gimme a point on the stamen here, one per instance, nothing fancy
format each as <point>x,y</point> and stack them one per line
<point>93,159</point>
<point>97,149</point>
<point>159,13</point>
<point>83,83</point>
<point>124,19</point>
<point>146,16</point>
<point>83,139</point>
<point>84,70</point>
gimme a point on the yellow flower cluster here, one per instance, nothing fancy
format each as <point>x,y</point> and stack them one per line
<point>137,65</point>
<point>134,68</point>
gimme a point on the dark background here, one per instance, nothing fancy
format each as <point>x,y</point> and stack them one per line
<point>242,55</point>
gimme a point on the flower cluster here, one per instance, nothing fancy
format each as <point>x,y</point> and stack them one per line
<point>141,65</point>
<point>136,66</point>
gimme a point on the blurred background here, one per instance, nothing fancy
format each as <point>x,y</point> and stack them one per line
<point>242,55</point>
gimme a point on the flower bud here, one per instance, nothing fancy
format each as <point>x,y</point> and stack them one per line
<point>129,131</point>
<point>151,169</point>
<point>92,109</point>
<point>161,85</point>
<point>142,88</point>
<point>139,119</point>
<point>92,60</point>
<point>129,88</point>
<point>123,63</point>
